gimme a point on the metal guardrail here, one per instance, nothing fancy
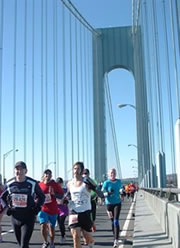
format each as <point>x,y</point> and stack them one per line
<point>171,194</point>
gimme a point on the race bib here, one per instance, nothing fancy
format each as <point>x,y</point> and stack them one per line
<point>47,198</point>
<point>19,200</point>
<point>73,218</point>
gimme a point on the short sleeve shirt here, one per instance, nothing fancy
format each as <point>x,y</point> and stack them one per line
<point>114,186</point>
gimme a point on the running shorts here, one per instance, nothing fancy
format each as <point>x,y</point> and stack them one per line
<point>82,220</point>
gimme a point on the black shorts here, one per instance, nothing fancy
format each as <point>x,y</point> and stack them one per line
<point>82,220</point>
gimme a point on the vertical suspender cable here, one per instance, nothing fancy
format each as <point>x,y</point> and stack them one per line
<point>112,125</point>
<point>158,80</point>
<point>54,82</point>
<point>25,75</point>
<point>71,89</point>
<point>57,90</point>
<point>175,60</point>
<point>1,66</point>
<point>46,82</point>
<point>169,90</point>
<point>33,9</point>
<point>89,82</point>
<point>156,76</point>
<point>82,92</point>
<point>64,92</point>
<point>86,99</point>
<point>77,89</point>
<point>14,82</point>
<point>42,88</point>
<point>152,143</point>
<point>178,23</point>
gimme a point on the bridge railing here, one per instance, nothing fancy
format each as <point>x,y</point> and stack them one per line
<point>164,204</point>
<point>171,194</point>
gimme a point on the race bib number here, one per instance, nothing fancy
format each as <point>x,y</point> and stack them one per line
<point>19,200</point>
<point>47,198</point>
<point>73,218</point>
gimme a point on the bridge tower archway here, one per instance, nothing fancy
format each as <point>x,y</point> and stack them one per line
<point>117,48</point>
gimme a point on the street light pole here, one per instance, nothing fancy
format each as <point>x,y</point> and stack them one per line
<point>47,165</point>
<point>133,159</point>
<point>5,155</point>
<point>125,105</point>
<point>133,145</point>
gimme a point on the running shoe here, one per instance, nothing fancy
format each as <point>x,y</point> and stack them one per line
<point>45,245</point>
<point>52,246</point>
<point>63,240</point>
<point>115,243</point>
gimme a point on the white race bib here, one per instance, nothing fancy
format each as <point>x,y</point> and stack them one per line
<point>47,198</point>
<point>19,200</point>
<point>73,218</point>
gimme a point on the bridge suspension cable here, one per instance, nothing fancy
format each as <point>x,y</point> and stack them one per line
<point>109,103</point>
<point>77,14</point>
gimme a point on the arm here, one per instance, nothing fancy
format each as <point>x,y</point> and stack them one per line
<point>40,195</point>
<point>58,192</point>
<point>4,197</point>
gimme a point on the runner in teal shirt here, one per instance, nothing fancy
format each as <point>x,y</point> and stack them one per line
<point>111,188</point>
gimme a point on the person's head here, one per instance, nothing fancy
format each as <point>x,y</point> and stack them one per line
<point>20,170</point>
<point>112,174</point>
<point>78,168</point>
<point>47,176</point>
<point>86,173</point>
<point>59,180</point>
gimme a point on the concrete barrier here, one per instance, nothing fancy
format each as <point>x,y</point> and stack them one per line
<point>167,214</point>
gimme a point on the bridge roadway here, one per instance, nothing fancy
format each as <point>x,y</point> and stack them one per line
<point>103,236</point>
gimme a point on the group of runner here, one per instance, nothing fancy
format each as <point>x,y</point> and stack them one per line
<point>23,198</point>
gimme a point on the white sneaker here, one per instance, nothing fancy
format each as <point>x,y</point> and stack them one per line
<point>115,243</point>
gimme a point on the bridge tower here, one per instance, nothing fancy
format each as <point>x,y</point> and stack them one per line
<point>117,48</point>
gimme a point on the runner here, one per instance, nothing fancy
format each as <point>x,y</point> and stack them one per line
<point>48,215</point>
<point>86,175</point>
<point>111,188</point>
<point>2,210</point>
<point>63,212</point>
<point>80,207</point>
<point>23,199</point>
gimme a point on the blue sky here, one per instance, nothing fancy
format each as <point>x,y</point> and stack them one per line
<point>99,14</point>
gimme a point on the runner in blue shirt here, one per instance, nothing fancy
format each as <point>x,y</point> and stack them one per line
<point>111,188</point>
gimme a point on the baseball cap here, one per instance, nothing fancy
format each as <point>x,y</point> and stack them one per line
<point>20,164</point>
<point>47,171</point>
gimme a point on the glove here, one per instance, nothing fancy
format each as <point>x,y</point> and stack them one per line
<point>89,182</point>
<point>36,209</point>
<point>109,193</point>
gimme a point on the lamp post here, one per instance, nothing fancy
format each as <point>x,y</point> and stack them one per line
<point>125,105</point>
<point>5,155</point>
<point>133,159</point>
<point>47,165</point>
<point>133,145</point>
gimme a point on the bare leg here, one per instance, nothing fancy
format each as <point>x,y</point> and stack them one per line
<point>76,233</point>
<point>51,233</point>
<point>44,231</point>
<point>87,237</point>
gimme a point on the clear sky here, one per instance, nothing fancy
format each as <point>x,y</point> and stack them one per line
<point>99,14</point>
